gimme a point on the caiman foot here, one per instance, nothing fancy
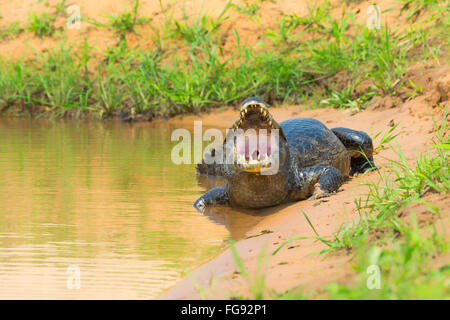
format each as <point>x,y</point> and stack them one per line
<point>319,193</point>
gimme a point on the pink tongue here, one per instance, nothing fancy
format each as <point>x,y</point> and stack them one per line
<point>263,147</point>
<point>247,148</point>
<point>240,145</point>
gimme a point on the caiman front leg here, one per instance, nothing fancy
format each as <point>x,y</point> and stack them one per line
<point>209,167</point>
<point>215,196</point>
<point>314,182</point>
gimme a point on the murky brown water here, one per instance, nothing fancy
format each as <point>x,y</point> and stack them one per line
<point>104,199</point>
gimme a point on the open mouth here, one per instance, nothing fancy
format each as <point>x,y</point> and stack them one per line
<point>256,138</point>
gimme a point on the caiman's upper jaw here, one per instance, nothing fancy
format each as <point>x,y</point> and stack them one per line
<point>255,121</point>
<point>255,115</point>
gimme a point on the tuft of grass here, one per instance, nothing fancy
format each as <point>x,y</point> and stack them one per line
<point>123,23</point>
<point>414,8</point>
<point>41,24</point>
<point>345,99</point>
<point>248,8</point>
<point>255,282</point>
<point>16,86</point>
<point>387,137</point>
<point>201,29</point>
<point>127,21</point>
<point>390,63</point>
<point>61,8</point>
<point>11,31</point>
<point>417,90</point>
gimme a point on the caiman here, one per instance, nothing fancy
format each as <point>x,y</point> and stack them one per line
<point>311,160</point>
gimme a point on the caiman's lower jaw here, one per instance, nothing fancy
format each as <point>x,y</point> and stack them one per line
<point>258,146</point>
<point>253,165</point>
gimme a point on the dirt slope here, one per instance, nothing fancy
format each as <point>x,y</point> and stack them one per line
<point>251,28</point>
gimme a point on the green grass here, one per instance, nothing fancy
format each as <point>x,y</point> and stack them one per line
<point>41,24</point>
<point>345,99</point>
<point>406,269</point>
<point>249,8</point>
<point>11,31</point>
<point>414,8</point>
<point>255,281</point>
<point>127,21</point>
<point>141,79</point>
<point>386,138</point>
<point>200,30</point>
<point>123,23</point>
<point>187,71</point>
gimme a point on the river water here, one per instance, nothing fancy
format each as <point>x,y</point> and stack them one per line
<point>95,210</point>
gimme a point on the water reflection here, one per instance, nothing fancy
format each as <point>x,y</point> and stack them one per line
<point>101,196</point>
<point>238,221</point>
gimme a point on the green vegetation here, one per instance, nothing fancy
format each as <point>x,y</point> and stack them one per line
<point>407,270</point>
<point>126,22</point>
<point>11,31</point>
<point>123,23</point>
<point>414,8</point>
<point>189,71</point>
<point>248,8</point>
<point>387,233</point>
<point>61,8</point>
<point>256,281</point>
<point>41,24</point>
<point>201,30</point>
